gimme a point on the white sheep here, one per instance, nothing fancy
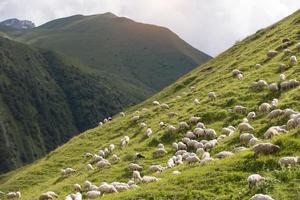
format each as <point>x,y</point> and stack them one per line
<point>238,149</point>
<point>122,114</point>
<point>210,133</point>
<point>223,154</point>
<point>124,141</point>
<point>107,188</point>
<point>282,67</point>
<point>143,125</point>
<point>258,66</point>
<point>261,197</point>
<point>48,195</point>
<point>272,53</point>
<point>13,195</point>
<point>93,194</point>
<point>193,159</point>
<point>227,131</point>
<point>240,76</point>
<point>89,167</point>
<point>182,146</point>
<point>135,118</point>
<point>77,187</point>
<point>199,132</point>
<point>160,152</point>
<point>135,167</point>
<point>194,120</point>
<point>148,132</point>
<point>254,179</point>
<point>200,152</point>
<point>172,129</point>
<point>293,60</point>
<point>212,95</point>
<point>156,168</point>
<point>196,102</point>
<point>236,72</point>
<point>200,125</point>
<point>264,108</point>
<point>251,116</point>
<point>245,127</point>
<point>183,125</point>
<point>172,114</point>
<point>161,124</point>
<point>164,106</point>
<point>149,179</point>
<point>282,77</point>
<point>253,141</point>
<point>273,87</point>
<point>262,84</point>
<point>265,148</point>
<point>156,103</point>
<point>288,161</point>
<point>103,163</point>
<point>136,176</point>
<point>175,146</point>
<point>115,158</point>
<point>239,109</point>
<point>67,171</point>
<point>176,172</point>
<point>190,135</point>
<point>274,103</point>
<point>246,137</point>
<point>111,147</point>
<point>275,113</point>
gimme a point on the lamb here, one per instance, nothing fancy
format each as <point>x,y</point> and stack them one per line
<point>212,95</point>
<point>261,197</point>
<point>264,108</point>
<point>265,148</point>
<point>281,77</point>
<point>245,127</point>
<point>67,171</point>
<point>246,137</point>
<point>93,194</point>
<point>136,176</point>
<point>273,87</point>
<point>293,60</point>
<point>13,195</point>
<point>183,125</point>
<point>89,167</point>
<point>223,154</point>
<point>156,168</point>
<point>194,120</point>
<point>288,161</point>
<point>107,188</point>
<point>251,115</point>
<point>272,53</point>
<point>156,103</point>
<point>254,179</point>
<point>149,179</point>
<point>239,109</point>
<point>148,132</point>
<point>135,118</point>
<point>135,167</point>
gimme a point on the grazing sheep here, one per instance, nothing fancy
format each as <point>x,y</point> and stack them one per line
<point>193,159</point>
<point>160,152</point>
<point>190,135</point>
<point>13,195</point>
<point>245,127</point>
<point>205,161</point>
<point>136,176</point>
<point>281,77</point>
<point>103,163</point>
<point>196,102</point>
<point>77,187</point>
<point>246,137</point>
<point>275,113</point>
<point>48,195</point>
<point>67,171</point>
<point>223,154</point>
<point>210,144</point>
<point>122,114</point>
<point>88,155</point>
<point>172,129</point>
<point>115,158</point>
<point>264,108</point>
<point>200,152</point>
<point>172,114</point>
<point>93,194</point>
<point>240,76</point>
<point>212,95</point>
<point>272,53</point>
<point>239,109</point>
<point>194,120</point>
<point>111,147</point>
<point>143,125</point>
<point>107,188</point>
<point>100,123</point>
<point>182,146</point>
<point>227,131</point>
<point>273,87</point>
<point>210,133</point>
<point>293,60</point>
<point>135,118</point>
<point>175,146</point>
<point>120,186</point>
<point>238,149</point>
<point>89,167</point>
<point>161,124</point>
<point>148,132</point>
<point>274,103</point>
<point>253,141</point>
<point>149,179</point>
<point>135,167</point>
<point>262,84</point>
<point>273,131</point>
<point>288,161</point>
<point>258,66</point>
<point>265,148</point>
<point>176,172</point>
<point>101,153</point>
<point>251,116</point>
<point>221,137</point>
<point>236,72</point>
<point>124,141</point>
<point>164,106</point>
<point>200,125</point>
<point>155,103</point>
<point>261,197</point>
<point>156,168</point>
<point>199,132</point>
<point>298,46</point>
<point>282,67</point>
<point>183,125</point>
<point>170,163</point>
<point>254,179</point>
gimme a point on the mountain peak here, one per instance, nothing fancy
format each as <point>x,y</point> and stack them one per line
<point>18,24</point>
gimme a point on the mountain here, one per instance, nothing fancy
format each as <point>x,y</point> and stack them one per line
<point>17,24</point>
<point>72,77</point>
<point>220,179</point>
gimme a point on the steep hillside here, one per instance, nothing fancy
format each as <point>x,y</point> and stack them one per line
<point>220,179</point>
<point>100,64</point>
<point>17,24</point>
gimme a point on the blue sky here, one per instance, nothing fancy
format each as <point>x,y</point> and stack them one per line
<point>209,25</point>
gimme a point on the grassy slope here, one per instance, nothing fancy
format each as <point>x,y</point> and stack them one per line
<point>224,179</point>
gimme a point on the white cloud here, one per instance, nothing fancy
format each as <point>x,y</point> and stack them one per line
<point>209,25</point>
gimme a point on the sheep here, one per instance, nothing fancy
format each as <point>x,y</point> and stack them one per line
<point>264,108</point>
<point>199,132</point>
<point>48,195</point>
<point>194,120</point>
<point>227,131</point>
<point>115,158</point>
<point>238,149</point>
<point>135,167</point>
<point>122,114</point>
<point>236,72</point>
<point>251,115</point>
<point>210,133</point>
<point>274,103</point>
<point>192,159</point>
<point>196,102</point>
<point>282,77</point>
<point>136,176</point>
<point>132,184</point>
<point>107,188</point>
<point>258,66</point>
<point>209,145</point>
<point>111,147</point>
<point>200,152</point>
<point>88,155</point>
<point>246,137</point>
<point>240,76</point>
<point>273,131</point>
<point>275,113</point>
<point>89,167</point>
<point>286,40</point>
<point>77,187</point>
<point>156,168</point>
<point>273,87</point>
<point>135,118</point>
<point>176,172</point>
<point>200,125</point>
<point>161,124</point>
<point>298,46</point>
<point>148,132</point>
<point>265,148</point>
<point>124,141</point>
<point>160,145</point>
<point>254,179</point>
<point>293,60</point>
<point>190,135</point>
<point>239,109</point>
<point>13,195</point>
<point>206,160</point>
<point>272,53</point>
<point>100,124</point>
<point>288,161</point>
<point>175,146</point>
<point>170,163</point>
<point>212,95</point>
<point>182,146</point>
<point>103,163</point>
<point>172,129</point>
<point>160,152</point>
<point>282,67</point>
<point>120,186</point>
<point>164,106</point>
<point>143,125</point>
<point>93,194</point>
<point>253,141</point>
<point>262,84</point>
<point>183,125</point>
<point>223,154</point>
<point>261,197</point>
<point>172,114</point>
<point>67,171</point>
<point>105,120</point>
<point>245,127</point>
<point>149,179</point>
<point>155,103</point>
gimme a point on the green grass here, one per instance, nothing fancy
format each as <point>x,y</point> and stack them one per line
<point>222,179</point>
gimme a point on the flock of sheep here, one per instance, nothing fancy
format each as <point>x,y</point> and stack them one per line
<point>197,143</point>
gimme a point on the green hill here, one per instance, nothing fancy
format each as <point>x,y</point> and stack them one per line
<point>91,67</point>
<point>221,179</point>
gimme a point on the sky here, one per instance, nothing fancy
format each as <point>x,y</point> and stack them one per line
<point>211,26</point>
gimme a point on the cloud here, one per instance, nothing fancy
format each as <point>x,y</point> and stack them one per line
<point>209,25</point>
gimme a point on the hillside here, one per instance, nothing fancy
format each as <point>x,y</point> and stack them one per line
<point>220,179</point>
<point>96,66</point>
